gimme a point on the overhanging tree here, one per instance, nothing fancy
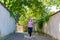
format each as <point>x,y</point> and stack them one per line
<point>25,8</point>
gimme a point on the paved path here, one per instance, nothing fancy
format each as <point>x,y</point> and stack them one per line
<point>21,36</point>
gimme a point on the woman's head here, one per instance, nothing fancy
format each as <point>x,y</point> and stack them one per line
<point>30,17</point>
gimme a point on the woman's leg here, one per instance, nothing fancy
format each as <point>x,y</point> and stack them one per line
<point>30,31</point>
<point>30,34</point>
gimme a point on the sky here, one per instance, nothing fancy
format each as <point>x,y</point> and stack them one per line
<point>53,8</point>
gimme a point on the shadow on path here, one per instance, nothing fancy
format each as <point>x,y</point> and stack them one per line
<point>21,36</point>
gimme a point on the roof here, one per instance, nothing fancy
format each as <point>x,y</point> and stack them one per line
<point>55,13</point>
<point>6,8</point>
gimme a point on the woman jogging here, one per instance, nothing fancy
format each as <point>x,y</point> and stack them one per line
<point>30,26</point>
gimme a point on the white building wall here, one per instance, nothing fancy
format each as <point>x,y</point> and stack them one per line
<point>7,23</point>
<point>53,26</point>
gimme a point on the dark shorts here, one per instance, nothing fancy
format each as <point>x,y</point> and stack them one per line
<point>29,30</point>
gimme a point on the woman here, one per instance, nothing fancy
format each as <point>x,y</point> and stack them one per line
<point>30,26</point>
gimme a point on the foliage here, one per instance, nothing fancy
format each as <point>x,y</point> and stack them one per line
<point>42,20</point>
<point>51,3</point>
<point>40,23</point>
<point>22,9</point>
<point>22,6</point>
